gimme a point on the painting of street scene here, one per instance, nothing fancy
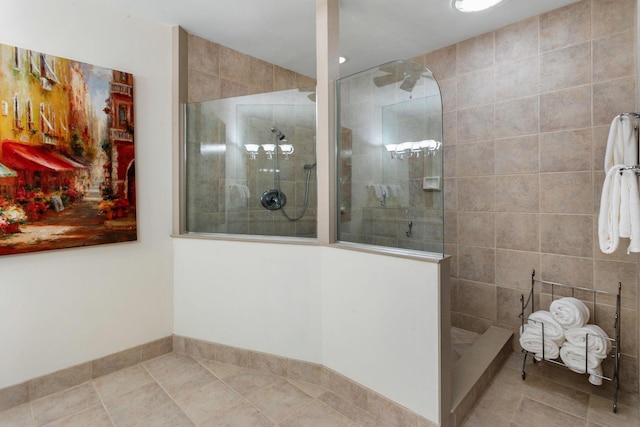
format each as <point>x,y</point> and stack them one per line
<point>67,164</point>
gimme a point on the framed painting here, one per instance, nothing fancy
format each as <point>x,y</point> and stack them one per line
<point>67,158</point>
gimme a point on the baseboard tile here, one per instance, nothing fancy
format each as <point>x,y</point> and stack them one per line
<point>350,391</point>
<point>75,375</point>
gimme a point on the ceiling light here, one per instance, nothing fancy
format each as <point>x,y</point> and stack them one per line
<point>343,59</point>
<point>475,5</point>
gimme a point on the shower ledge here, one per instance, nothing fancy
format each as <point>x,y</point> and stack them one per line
<point>473,372</point>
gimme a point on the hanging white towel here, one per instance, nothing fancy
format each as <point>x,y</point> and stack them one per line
<point>619,210</point>
<point>242,190</point>
<point>622,147</point>
<point>570,312</point>
<point>395,190</point>
<point>609,218</point>
<point>380,191</point>
<point>629,191</point>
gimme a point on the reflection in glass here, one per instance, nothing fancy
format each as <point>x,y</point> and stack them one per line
<point>390,158</point>
<point>257,182</point>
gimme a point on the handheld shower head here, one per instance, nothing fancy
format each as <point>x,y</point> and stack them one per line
<point>278,134</point>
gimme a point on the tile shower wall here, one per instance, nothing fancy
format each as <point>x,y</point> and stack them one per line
<point>217,72</point>
<point>527,110</point>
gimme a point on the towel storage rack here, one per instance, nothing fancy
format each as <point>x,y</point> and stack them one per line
<point>589,295</point>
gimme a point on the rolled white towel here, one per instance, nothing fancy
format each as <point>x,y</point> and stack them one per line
<point>596,376</point>
<point>599,343</point>
<point>532,342</point>
<point>570,312</point>
<point>552,329</point>
<point>576,359</point>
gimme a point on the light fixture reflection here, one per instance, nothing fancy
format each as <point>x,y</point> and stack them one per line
<point>413,149</point>
<point>252,149</point>
<point>286,149</point>
<point>211,148</point>
<point>269,149</point>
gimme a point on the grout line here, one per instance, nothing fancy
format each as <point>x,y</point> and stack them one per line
<point>33,417</point>
<point>233,389</point>
<point>167,393</point>
<point>102,403</point>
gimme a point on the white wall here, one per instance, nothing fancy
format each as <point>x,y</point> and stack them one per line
<point>60,308</point>
<point>380,321</point>
<point>258,296</point>
<point>351,312</point>
<point>372,318</point>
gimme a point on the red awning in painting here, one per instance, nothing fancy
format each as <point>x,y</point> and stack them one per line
<point>34,158</point>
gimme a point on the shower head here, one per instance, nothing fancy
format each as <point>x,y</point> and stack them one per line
<point>278,134</point>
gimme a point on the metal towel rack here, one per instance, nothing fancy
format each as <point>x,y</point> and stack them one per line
<point>636,167</point>
<point>591,295</point>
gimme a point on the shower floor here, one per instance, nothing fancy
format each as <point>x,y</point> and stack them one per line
<point>461,341</point>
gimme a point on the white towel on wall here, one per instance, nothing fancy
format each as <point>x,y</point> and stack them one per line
<point>380,191</point>
<point>599,343</point>
<point>629,188</point>
<point>622,147</point>
<point>570,312</point>
<point>619,210</point>
<point>624,223</point>
<point>395,190</point>
<point>609,218</point>
<point>243,190</point>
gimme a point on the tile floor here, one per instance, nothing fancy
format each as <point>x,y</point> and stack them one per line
<point>178,390</point>
<point>550,396</point>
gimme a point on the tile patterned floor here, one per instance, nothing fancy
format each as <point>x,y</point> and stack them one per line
<point>550,396</point>
<point>177,390</point>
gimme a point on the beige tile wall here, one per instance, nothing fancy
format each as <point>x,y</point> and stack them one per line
<point>527,110</point>
<point>216,72</point>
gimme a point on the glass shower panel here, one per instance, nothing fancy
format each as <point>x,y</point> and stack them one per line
<point>250,165</point>
<point>390,158</point>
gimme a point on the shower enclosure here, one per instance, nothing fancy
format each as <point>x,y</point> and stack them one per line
<point>250,165</point>
<point>390,158</point>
